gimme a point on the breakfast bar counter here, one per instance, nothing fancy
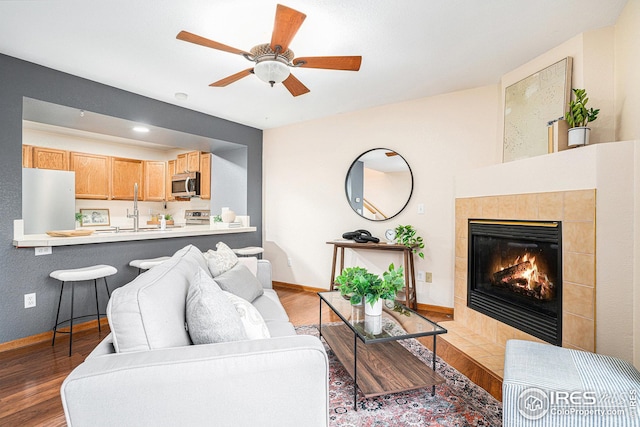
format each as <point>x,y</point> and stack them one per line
<point>111,235</point>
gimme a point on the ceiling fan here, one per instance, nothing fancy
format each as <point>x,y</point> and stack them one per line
<point>274,60</point>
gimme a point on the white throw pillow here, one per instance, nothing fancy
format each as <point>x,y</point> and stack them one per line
<point>254,324</point>
<point>211,316</point>
<point>221,260</point>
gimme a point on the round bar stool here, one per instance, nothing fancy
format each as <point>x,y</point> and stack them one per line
<point>83,274</point>
<point>146,264</point>
<point>249,251</point>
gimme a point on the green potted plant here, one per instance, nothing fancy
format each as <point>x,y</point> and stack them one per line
<point>362,286</point>
<point>406,235</point>
<point>578,117</point>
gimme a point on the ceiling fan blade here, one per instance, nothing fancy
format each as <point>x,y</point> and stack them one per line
<point>348,63</point>
<point>286,25</point>
<point>193,38</point>
<point>295,86</point>
<point>232,78</point>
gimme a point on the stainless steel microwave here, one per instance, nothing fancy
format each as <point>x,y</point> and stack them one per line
<point>185,184</point>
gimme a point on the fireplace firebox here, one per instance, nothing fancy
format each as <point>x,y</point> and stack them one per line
<point>515,274</point>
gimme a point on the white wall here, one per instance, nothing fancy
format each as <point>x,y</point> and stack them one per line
<point>304,174</point>
<point>627,72</point>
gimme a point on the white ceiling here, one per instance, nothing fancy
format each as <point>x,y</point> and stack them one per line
<point>410,48</point>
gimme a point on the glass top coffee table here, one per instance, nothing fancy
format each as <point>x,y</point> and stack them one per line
<point>382,365</point>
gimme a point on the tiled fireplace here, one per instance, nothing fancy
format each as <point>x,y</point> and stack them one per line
<point>483,337</point>
<point>575,210</point>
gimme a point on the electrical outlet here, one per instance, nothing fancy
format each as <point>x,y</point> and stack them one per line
<point>420,277</point>
<point>428,277</point>
<point>29,300</point>
<point>289,261</point>
<point>43,250</point>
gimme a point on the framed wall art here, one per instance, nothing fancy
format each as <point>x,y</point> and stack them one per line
<point>530,105</point>
<point>94,217</point>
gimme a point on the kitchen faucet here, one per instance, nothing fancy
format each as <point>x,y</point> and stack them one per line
<point>136,213</point>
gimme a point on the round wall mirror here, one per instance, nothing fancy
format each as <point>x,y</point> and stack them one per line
<point>379,184</point>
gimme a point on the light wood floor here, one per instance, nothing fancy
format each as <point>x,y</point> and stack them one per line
<point>30,377</point>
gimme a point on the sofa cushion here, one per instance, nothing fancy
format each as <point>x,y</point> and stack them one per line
<point>211,316</point>
<point>220,260</point>
<point>252,321</point>
<point>149,312</point>
<point>239,281</point>
<point>270,307</point>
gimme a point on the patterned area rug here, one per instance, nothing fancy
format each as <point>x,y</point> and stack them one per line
<point>457,402</point>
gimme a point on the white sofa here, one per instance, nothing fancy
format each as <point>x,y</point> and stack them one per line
<point>147,373</point>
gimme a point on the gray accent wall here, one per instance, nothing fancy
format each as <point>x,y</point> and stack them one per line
<point>21,272</point>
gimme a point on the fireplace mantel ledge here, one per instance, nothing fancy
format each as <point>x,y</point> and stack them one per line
<point>574,169</point>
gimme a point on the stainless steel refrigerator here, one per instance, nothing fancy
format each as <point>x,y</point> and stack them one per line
<point>48,200</point>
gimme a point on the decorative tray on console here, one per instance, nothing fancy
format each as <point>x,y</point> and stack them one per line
<point>69,233</point>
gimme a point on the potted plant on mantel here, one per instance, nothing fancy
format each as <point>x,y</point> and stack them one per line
<point>578,117</point>
<point>362,286</point>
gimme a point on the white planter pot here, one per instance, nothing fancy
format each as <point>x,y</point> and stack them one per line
<point>578,136</point>
<point>373,324</point>
<point>373,310</point>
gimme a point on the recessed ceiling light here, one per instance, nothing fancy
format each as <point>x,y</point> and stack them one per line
<point>141,129</point>
<point>181,96</point>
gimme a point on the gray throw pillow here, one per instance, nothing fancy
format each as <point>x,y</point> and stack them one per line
<point>240,282</point>
<point>211,316</point>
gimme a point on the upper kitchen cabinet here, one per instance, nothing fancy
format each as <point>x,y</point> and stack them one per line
<point>193,161</point>
<point>27,156</point>
<point>124,174</point>
<point>188,162</point>
<point>50,158</point>
<point>205,176</point>
<point>181,163</point>
<point>155,180</point>
<point>171,170</point>
<point>92,175</point>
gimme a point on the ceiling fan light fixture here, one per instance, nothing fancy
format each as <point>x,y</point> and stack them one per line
<point>271,70</point>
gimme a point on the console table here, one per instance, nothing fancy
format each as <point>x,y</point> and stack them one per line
<point>406,297</point>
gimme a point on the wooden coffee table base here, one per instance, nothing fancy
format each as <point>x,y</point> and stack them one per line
<point>380,368</point>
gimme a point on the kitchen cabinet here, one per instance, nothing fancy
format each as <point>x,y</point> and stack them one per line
<point>171,170</point>
<point>124,174</point>
<point>181,163</point>
<point>205,176</point>
<point>27,156</point>
<point>155,180</point>
<point>92,175</point>
<point>193,161</point>
<point>50,158</point>
<point>188,162</point>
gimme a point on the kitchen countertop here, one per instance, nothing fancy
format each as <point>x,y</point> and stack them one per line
<point>106,236</point>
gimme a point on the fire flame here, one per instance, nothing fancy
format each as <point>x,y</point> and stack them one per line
<point>536,281</point>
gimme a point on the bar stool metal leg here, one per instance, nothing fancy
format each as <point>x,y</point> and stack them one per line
<point>95,287</point>
<point>107,286</point>
<point>55,326</point>
<point>71,320</point>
